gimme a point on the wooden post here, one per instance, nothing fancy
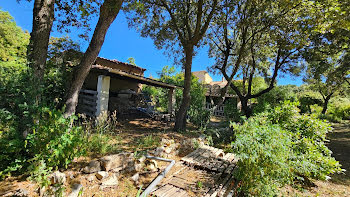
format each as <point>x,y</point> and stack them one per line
<point>102,94</point>
<point>171,101</point>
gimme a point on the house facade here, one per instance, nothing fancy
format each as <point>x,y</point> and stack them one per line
<point>213,92</point>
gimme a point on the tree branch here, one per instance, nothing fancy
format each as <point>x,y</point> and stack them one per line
<point>174,21</point>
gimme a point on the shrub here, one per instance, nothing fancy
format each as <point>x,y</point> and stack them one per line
<point>55,139</point>
<point>263,150</point>
<point>284,146</point>
<point>52,139</point>
<point>339,109</point>
<point>231,111</point>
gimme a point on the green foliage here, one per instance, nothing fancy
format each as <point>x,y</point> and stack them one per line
<point>285,147</point>
<point>51,139</point>
<point>40,173</point>
<point>98,133</point>
<point>148,142</point>
<point>339,108</point>
<point>263,150</point>
<point>275,97</point>
<point>307,98</point>
<point>63,56</point>
<point>13,41</point>
<point>197,114</point>
<point>55,139</point>
<point>231,111</point>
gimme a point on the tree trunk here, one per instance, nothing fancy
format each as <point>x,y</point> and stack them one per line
<point>325,104</point>
<point>247,110</point>
<point>43,17</point>
<point>108,12</point>
<point>180,121</point>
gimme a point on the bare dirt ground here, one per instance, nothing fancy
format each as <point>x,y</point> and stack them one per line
<point>339,185</point>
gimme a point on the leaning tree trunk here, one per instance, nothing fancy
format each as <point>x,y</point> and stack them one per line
<point>43,17</point>
<point>325,104</point>
<point>108,12</point>
<point>180,121</point>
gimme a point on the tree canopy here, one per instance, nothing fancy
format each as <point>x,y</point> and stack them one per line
<point>13,40</point>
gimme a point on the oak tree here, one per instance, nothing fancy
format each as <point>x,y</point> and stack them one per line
<point>178,27</point>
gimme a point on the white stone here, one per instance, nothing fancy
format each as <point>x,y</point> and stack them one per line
<point>110,181</point>
<point>101,175</point>
<point>168,150</point>
<point>116,162</point>
<point>135,177</point>
<point>58,177</point>
<point>138,167</point>
<point>91,178</point>
<point>159,151</point>
<point>76,190</point>
<point>94,166</point>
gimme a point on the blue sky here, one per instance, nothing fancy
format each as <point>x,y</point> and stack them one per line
<point>122,43</point>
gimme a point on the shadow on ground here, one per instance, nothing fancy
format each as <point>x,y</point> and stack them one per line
<point>340,145</point>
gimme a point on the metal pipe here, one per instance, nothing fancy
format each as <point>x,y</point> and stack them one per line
<point>160,175</point>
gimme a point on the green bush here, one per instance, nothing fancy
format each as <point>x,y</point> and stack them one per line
<point>52,139</point>
<point>284,146</point>
<point>275,97</point>
<point>231,111</point>
<point>339,108</point>
<point>55,139</point>
<point>263,150</point>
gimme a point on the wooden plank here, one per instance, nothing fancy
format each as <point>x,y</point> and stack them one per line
<point>88,97</point>
<point>179,192</point>
<point>94,92</point>
<point>182,193</point>
<point>213,187</point>
<point>170,192</point>
<point>227,187</point>
<point>194,159</point>
<point>160,191</point>
<point>189,156</point>
<point>88,102</point>
<point>179,182</point>
<point>87,108</point>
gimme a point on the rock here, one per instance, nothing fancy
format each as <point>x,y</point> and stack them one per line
<point>168,150</point>
<point>116,162</point>
<point>58,178</point>
<point>41,190</point>
<point>70,174</point>
<point>19,192</point>
<point>138,167</point>
<point>91,178</point>
<point>151,167</point>
<point>110,181</point>
<point>159,151</point>
<point>136,177</point>
<point>76,190</point>
<point>141,159</point>
<point>8,194</point>
<point>101,175</point>
<point>94,166</point>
